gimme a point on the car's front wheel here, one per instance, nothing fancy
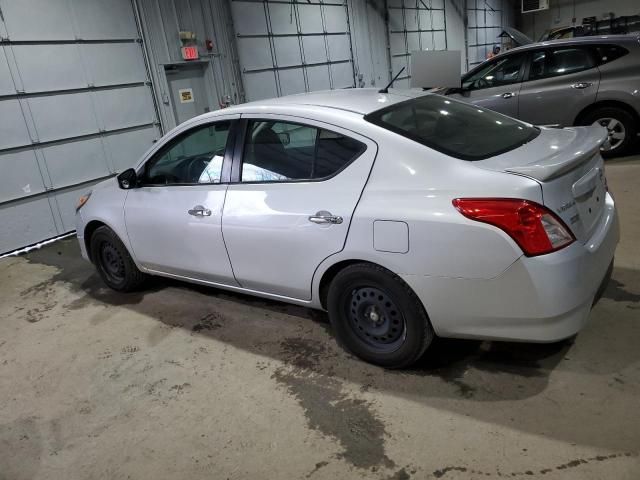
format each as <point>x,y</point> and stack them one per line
<point>114,264</point>
<point>377,316</point>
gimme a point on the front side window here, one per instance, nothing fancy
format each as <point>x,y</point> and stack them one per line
<point>284,151</point>
<point>559,61</point>
<point>194,157</point>
<point>455,128</point>
<point>502,71</point>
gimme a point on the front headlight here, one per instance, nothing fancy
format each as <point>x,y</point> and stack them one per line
<point>82,200</point>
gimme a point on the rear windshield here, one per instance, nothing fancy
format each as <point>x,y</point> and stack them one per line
<point>458,129</point>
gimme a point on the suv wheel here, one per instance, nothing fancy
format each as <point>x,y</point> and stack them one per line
<point>114,264</point>
<point>377,316</point>
<point>620,126</point>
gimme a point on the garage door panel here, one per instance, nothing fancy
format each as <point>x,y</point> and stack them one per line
<point>396,20</point>
<point>339,47</point>
<point>310,18</point>
<point>100,20</point>
<point>20,175</point>
<point>411,20</point>
<point>114,63</point>
<point>255,53</point>
<point>427,39</point>
<point>13,131</point>
<point>48,19</point>
<point>318,78</point>
<point>6,82</point>
<point>342,74</point>
<point>75,162</point>
<point>31,221</point>
<point>125,107</point>
<point>52,125</point>
<point>335,19</point>
<point>253,19</point>
<point>126,148</point>
<point>281,20</point>
<point>287,51</point>
<point>440,40</point>
<point>397,63</point>
<point>260,85</point>
<point>292,81</point>
<point>438,20</point>
<point>401,83</point>
<point>314,49</point>
<point>40,74</point>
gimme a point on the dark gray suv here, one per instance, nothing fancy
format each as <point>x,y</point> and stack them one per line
<point>577,81</point>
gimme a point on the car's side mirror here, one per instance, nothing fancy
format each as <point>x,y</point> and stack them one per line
<point>128,179</point>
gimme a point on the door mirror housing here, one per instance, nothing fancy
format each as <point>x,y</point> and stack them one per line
<point>128,179</point>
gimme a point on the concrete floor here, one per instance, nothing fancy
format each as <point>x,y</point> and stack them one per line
<point>188,382</point>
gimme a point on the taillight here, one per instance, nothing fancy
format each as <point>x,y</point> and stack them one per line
<point>533,227</point>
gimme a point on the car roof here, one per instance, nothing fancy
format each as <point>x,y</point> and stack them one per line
<point>355,100</point>
<point>576,41</point>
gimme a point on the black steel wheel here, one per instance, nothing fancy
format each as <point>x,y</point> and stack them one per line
<point>377,316</point>
<point>115,266</point>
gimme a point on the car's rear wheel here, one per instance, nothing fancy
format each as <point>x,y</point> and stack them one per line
<point>377,316</point>
<point>114,264</point>
<point>620,126</point>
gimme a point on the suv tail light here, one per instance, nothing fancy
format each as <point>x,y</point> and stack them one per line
<point>533,227</point>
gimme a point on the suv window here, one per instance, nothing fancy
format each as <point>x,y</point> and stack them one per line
<point>609,53</point>
<point>194,157</point>
<point>285,151</point>
<point>559,61</point>
<point>455,128</point>
<point>502,71</point>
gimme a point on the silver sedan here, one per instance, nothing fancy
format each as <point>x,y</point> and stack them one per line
<point>404,215</point>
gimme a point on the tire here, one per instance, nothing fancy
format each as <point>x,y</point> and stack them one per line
<point>115,266</point>
<point>622,123</point>
<point>377,317</point>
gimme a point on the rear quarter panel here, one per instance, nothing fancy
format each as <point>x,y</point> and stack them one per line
<point>620,79</point>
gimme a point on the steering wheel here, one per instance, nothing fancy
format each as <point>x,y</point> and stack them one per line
<point>481,83</point>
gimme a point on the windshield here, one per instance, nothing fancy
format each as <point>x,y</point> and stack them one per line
<point>458,129</point>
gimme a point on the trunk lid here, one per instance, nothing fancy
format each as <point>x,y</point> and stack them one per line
<point>568,166</point>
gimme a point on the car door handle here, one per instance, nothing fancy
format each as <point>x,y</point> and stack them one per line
<point>200,211</point>
<point>508,95</point>
<point>581,85</point>
<point>325,217</point>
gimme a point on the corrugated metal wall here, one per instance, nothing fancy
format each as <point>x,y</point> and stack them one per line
<point>414,25</point>
<point>291,46</point>
<point>75,106</point>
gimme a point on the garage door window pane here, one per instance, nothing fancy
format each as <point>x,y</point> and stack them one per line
<point>194,157</point>
<point>284,151</point>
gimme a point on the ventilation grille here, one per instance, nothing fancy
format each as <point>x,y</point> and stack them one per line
<point>534,5</point>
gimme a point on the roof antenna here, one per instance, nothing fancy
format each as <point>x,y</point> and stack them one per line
<point>386,89</point>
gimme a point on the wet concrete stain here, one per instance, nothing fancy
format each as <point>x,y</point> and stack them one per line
<point>318,466</point>
<point>328,409</point>
<point>617,292</point>
<point>211,321</point>
<point>401,474</point>
<point>534,473</point>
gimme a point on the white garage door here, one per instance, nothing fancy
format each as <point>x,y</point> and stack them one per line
<point>75,106</point>
<point>485,24</point>
<point>414,25</point>
<point>288,47</point>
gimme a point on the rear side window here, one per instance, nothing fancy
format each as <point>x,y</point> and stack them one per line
<point>458,129</point>
<point>284,151</point>
<point>609,53</point>
<point>560,61</point>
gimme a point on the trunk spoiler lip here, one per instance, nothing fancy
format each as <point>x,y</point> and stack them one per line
<point>550,167</point>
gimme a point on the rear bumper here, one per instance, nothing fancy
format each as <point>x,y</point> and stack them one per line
<point>539,299</point>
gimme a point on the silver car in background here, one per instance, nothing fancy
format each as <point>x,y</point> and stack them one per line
<point>560,83</point>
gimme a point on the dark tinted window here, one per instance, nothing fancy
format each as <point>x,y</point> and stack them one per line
<point>283,151</point>
<point>502,71</point>
<point>458,129</point>
<point>609,53</point>
<point>559,61</point>
<point>194,157</point>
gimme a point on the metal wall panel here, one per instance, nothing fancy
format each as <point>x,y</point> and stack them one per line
<point>295,46</point>
<point>414,25</point>
<point>485,22</point>
<point>72,81</point>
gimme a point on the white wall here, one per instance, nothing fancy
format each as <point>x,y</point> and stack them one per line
<point>562,12</point>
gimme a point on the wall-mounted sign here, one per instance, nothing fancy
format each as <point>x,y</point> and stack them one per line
<point>185,95</point>
<point>190,52</point>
